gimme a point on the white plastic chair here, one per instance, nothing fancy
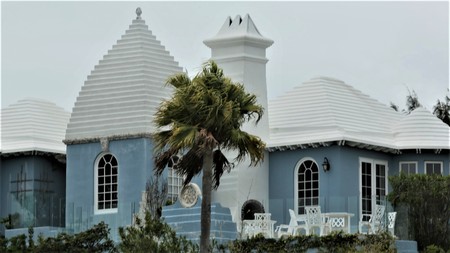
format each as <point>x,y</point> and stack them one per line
<point>292,229</point>
<point>374,223</point>
<point>315,219</point>
<point>391,222</point>
<point>264,225</point>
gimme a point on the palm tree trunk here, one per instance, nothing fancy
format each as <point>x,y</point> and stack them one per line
<point>205,224</point>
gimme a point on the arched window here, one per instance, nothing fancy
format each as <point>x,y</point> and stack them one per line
<point>306,184</point>
<point>106,184</point>
<point>174,181</point>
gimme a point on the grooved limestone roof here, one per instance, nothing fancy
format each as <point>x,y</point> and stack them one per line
<point>421,129</point>
<point>120,96</point>
<point>33,125</point>
<point>324,109</point>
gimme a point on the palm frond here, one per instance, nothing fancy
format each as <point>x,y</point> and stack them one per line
<point>203,114</point>
<point>221,164</point>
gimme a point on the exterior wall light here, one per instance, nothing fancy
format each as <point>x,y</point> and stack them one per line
<point>326,165</point>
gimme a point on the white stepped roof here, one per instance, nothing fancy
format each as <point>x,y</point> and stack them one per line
<point>421,130</point>
<point>33,125</point>
<point>324,110</point>
<point>122,93</point>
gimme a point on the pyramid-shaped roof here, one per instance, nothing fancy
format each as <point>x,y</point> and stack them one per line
<point>421,130</point>
<point>33,125</point>
<point>324,110</point>
<point>122,93</point>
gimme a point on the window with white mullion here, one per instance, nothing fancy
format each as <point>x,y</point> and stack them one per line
<point>373,184</point>
<point>175,183</point>
<point>433,167</point>
<point>106,190</point>
<point>307,185</point>
<point>408,167</point>
<point>380,177</point>
<point>366,188</point>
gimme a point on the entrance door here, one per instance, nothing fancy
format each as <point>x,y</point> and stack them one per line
<point>373,184</point>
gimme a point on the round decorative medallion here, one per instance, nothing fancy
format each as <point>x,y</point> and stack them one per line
<point>189,195</point>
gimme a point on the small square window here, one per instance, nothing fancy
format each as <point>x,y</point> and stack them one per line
<point>433,168</point>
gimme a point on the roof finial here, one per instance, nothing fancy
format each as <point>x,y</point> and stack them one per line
<point>138,12</point>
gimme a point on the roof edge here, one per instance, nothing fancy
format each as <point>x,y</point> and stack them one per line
<point>109,138</point>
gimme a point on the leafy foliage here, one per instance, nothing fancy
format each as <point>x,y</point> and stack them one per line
<point>156,190</point>
<point>206,111</point>
<point>412,102</point>
<point>10,221</point>
<point>204,117</point>
<point>428,201</point>
<point>153,236</point>
<point>156,236</point>
<point>95,239</point>
<point>442,110</point>
<point>337,242</point>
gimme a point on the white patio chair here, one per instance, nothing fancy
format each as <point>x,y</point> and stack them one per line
<point>391,222</point>
<point>315,219</point>
<point>374,223</point>
<point>263,224</point>
<point>292,229</point>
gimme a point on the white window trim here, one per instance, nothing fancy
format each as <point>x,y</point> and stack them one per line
<point>373,179</point>
<point>110,210</point>
<point>174,176</point>
<point>425,166</point>
<point>407,162</point>
<point>297,167</point>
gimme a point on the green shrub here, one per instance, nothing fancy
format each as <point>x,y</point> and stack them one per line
<point>95,239</point>
<point>337,242</point>
<point>433,249</point>
<point>428,200</point>
<point>153,236</point>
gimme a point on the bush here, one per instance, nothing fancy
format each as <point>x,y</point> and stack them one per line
<point>433,249</point>
<point>428,202</point>
<point>95,239</point>
<point>153,236</point>
<point>337,242</point>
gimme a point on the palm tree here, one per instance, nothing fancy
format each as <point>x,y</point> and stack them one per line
<point>442,110</point>
<point>204,117</point>
<point>412,102</point>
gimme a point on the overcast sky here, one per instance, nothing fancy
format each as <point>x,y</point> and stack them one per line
<point>380,48</point>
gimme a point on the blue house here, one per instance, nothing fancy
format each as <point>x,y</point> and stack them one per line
<point>328,144</point>
<point>32,167</point>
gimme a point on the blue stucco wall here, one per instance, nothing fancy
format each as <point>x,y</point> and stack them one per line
<point>135,163</point>
<point>339,187</point>
<point>425,155</point>
<point>42,204</point>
